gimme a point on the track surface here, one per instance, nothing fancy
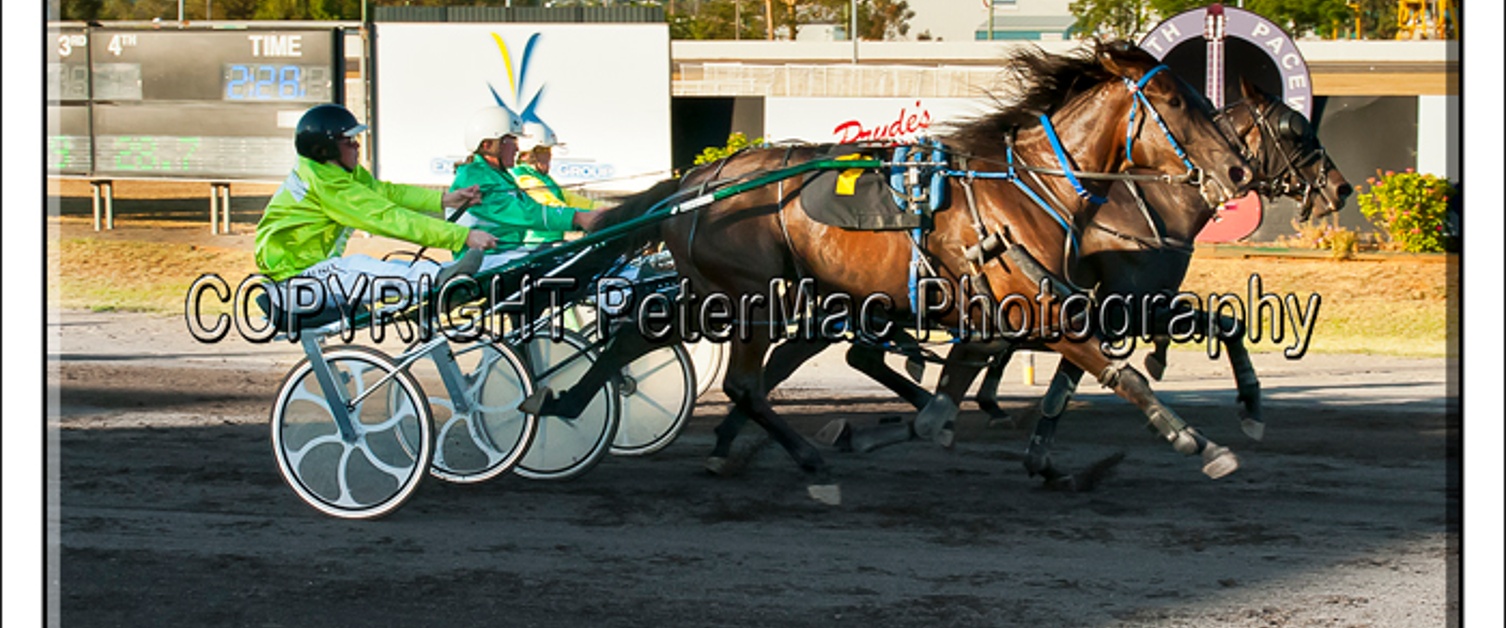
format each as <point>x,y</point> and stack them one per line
<point>172,512</point>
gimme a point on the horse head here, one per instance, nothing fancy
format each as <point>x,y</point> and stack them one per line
<point>1169,122</point>
<point>1285,150</point>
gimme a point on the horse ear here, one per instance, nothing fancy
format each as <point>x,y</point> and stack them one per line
<point>1250,91</point>
<point>1125,59</point>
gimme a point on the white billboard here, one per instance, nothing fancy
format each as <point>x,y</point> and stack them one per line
<point>602,88</point>
<point>843,120</point>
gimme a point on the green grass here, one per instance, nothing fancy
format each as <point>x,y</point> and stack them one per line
<point>127,276</point>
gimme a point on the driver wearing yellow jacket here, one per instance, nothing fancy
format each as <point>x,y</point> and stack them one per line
<point>305,227</point>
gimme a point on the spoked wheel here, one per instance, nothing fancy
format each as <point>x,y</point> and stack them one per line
<point>486,435</point>
<point>710,360</point>
<point>566,448</point>
<point>658,395</point>
<point>375,467</point>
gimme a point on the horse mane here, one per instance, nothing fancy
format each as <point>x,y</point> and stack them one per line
<point>1040,82</point>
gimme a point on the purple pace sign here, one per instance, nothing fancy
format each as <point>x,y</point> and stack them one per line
<point>1219,45</point>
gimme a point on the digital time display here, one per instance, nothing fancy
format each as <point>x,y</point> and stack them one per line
<point>185,103</point>
<point>277,82</point>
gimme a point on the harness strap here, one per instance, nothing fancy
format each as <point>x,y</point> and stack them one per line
<point>1050,211</point>
<point>783,225</point>
<point>1066,162</point>
<point>1137,91</point>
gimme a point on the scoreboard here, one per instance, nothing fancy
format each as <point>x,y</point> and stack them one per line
<point>218,104</point>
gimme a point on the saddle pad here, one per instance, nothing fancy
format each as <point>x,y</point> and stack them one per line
<point>858,199</point>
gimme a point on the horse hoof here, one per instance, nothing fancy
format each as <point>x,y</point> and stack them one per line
<point>1254,428</point>
<point>1219,461</point>
<point>829,494</point>
<point>716,465</point>
<point>935,417</point>
<point>946,438</point>
<point>1061,483</point>
<point>1155,367</point>
<point>837,434</point>
<point>1005,422</point>
<point>535,402</point>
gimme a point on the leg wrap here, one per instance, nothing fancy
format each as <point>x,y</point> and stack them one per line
<point>932,420</point>
<point>1038,452</point>
<point>1182,438</point>
<point>1109,377</point>
<point>1058,395</point>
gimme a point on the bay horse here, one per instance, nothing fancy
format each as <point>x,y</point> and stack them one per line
<point>1097,112</point>
<point>1139,243</point>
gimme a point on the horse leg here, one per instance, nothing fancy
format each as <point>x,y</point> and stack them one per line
<point>744,385</point>
<point>935,420</point>
<point>1246,382</point>
<point>783,361</point>
<point>1053,405</point>
<point>1131,385</point>
<point>988,391</point>
<point>869,360</point>
<point>1155,362</point>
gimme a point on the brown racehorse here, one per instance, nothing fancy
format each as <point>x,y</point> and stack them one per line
<point>1139,243</point>
<point>1100,105</point>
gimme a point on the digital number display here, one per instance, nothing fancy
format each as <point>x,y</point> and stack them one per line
<point>67,81</point>
<point>68,153</point>
<point>248,157</point>
<point>272,82</point>
<point>117,81</point>
<point>185,103</point>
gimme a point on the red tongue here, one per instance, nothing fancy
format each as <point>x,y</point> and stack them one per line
<point>1236,220</point>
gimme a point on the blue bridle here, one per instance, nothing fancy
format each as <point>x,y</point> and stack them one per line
<point>1137,90</point>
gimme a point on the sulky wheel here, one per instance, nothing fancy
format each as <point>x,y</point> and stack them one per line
<point>657,397</point>
<point>486,434</point>
<point>369,469</point>
<point>710,360</point>
<point>566,448</point>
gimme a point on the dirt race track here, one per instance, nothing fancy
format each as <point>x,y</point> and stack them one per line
<point>172,512</point>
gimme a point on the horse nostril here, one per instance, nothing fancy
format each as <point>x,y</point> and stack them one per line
<point>1237,175</point>
<point>1345,190</point>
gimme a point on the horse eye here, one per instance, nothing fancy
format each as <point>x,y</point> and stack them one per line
<point>1175,102</point>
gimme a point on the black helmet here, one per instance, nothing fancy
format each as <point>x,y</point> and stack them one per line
<point>320,129</point>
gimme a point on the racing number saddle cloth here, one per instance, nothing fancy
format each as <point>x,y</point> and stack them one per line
<point>866,199</point>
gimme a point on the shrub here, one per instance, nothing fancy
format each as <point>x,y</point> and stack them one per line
<point>1410,207</point>
<point>735,142</point>
<point>1321,234</point>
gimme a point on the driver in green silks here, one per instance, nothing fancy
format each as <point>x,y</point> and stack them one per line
<point>507,210</point>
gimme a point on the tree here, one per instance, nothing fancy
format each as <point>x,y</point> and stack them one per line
<point>137,10</point>
<point>716,19</point>
<point>1111,19</point>
<point>1299,17</point>
<point>79,10</point>
<point>1325,18</point>
<point>882,20</point>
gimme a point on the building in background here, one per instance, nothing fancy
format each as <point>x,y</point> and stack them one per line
<point>1027,20</point>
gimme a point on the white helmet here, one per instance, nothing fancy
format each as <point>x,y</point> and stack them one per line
<point>537,134</point>
<point>491,123</point>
